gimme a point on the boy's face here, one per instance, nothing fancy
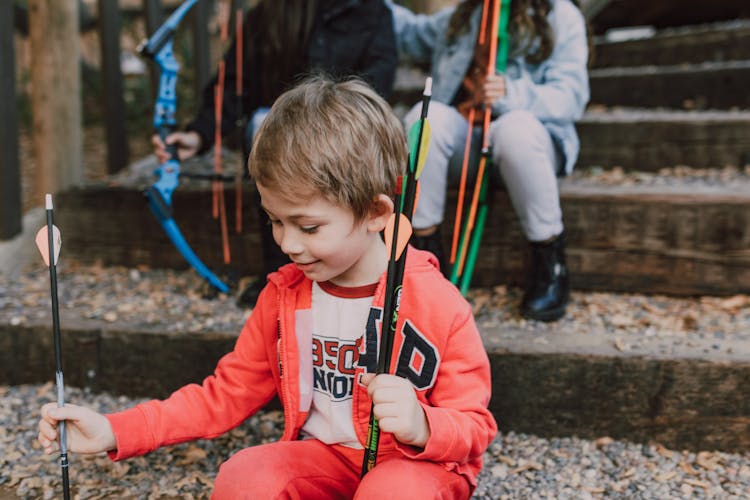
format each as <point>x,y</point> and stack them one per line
<point>325,241</point>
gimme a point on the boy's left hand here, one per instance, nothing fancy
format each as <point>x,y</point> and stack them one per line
<point>397,409</point>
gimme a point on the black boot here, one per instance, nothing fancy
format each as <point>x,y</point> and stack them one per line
<point>547,292</point>
<point>432,243</point>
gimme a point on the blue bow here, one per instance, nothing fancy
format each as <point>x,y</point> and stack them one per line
<point>159,195</point>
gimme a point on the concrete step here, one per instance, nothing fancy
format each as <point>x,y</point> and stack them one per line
<point>552,381</point>
<point>649,140</point>
<point>670,235</point>
<point>724,41</point>
<point>707,85</point>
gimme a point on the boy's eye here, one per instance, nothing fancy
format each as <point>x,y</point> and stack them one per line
<point>308,229</point>
<point>275,222</point>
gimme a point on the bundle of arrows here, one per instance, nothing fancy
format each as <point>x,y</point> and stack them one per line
<point>493,31</point>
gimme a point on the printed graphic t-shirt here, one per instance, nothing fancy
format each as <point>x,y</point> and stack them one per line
<point>339,321</point>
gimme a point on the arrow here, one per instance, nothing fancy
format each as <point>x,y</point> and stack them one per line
<point>52,245</point>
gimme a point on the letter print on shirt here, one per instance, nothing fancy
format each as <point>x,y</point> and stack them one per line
<point>339,318</point>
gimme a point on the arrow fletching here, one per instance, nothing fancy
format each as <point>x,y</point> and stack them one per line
<point>42,243</point>
<point>424,147</point>
<point>402,238</point>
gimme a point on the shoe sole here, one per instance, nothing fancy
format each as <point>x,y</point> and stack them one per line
<point>546,316</point>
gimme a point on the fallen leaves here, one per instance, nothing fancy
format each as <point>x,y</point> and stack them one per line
<point>621,345</point>
<point>527,465</point>
<point>603,441</point>
<point>664,452</point>
<point>688,469</point>
<point>192,454</point>
<point>707,460</point>
<point>664,477</point>
<point>700,484</point>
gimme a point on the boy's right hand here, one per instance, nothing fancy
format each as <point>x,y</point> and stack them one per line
<point>87,430</point>
<point>188,144</point>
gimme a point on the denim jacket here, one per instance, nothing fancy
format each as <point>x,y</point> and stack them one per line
<point>555,91</point>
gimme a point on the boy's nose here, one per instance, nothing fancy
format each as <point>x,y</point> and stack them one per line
<point>290,244</point>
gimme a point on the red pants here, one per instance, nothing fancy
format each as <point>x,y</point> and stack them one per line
<point>312,470</point>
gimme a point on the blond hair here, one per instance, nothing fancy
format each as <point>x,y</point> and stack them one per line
<point>339,140</point>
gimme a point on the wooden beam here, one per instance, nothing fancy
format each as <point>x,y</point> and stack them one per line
<point>663,13</point>
<point>112,86</point>
<point>674,240</point>
<point>10,173</point>
<point>201,58</point>
<point>56,95</point>
<point>709,85</point>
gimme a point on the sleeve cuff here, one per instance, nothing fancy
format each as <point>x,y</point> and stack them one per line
<point>131,436</point>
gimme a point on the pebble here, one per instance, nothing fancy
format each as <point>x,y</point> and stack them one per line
<point>515,465</point>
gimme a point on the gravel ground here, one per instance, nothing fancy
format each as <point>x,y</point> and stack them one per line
<point>516,465</point>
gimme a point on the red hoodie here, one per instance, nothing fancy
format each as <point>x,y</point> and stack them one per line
<point>437,347</point>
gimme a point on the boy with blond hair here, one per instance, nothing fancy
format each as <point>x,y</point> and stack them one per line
<point>326,160</point>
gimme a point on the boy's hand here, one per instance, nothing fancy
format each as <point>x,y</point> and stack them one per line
<point>397,409</point>
<point>87,430</point>
<point>188,143</point>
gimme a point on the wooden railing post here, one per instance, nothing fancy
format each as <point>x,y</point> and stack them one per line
<point>10,172</point>
<point>56,98</point>
<point>112,86</point>
<point>201,56</point>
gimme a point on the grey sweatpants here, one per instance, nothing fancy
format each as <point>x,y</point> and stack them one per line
<point>523,154</point>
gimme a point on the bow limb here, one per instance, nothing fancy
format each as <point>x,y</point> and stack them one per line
<point>159,48</point>
<point>163,214</point>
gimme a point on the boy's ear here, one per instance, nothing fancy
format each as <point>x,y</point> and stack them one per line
<point>380,212</point>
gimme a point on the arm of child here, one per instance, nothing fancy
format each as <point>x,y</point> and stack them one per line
<point>460,424</point>
<point>564,91</point>
<point>87,431</point>
<point>242,383</point>
<point>397,408</point>
<point>417,34</point>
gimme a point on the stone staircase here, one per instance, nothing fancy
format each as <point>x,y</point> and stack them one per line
<point>635,224</point>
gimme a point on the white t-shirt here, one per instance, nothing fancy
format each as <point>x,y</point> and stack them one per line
<point>339,321</point>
